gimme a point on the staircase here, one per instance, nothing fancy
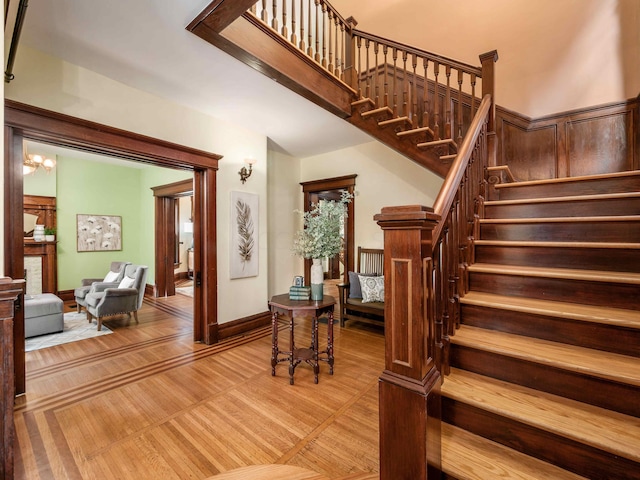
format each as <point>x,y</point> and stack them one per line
<point>545,374</point>
<point>419,143</point>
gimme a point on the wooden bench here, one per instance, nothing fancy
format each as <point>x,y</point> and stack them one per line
<point>370,262</point>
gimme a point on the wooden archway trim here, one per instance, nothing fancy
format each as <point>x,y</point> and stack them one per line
<point>165,196</point>
<point>28,122</point>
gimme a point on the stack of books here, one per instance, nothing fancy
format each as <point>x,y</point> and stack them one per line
<point>299,293</point>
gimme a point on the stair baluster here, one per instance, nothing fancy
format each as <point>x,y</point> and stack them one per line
<point>274,17</point>
<point>285,32</point>
<point>301,46</point>
<point>324,34</point>
<point>414,90</point>
<point>425,94</point>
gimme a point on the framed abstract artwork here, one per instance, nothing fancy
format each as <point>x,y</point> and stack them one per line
<point>243,260</point>
<point>99,233</point>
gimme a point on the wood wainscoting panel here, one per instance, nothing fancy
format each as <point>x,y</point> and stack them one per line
<point>601,144</point>
<point>531,154</point>
<point>589,141</point>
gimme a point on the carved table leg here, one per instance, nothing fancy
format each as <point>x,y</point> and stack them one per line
<point>314,346</point>
<point>274,342</point>
<point>292,365</point>
<point>330,341</point>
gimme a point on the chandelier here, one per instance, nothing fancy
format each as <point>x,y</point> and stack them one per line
<point>31,162</point>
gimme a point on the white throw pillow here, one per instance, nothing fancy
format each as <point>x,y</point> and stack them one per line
<point>111,277</point>
<point>126,282</point>
<point>372,288</point>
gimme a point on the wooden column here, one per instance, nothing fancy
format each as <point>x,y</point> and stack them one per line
<point>11,297</point>
<point>410,384</point>
<point>489,87</point>
<point>350,71</point>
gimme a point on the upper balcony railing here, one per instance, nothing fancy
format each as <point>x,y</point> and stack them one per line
<point>432,92</point>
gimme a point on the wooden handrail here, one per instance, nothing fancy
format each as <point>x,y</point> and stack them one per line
<point>470,69</point>
<point>451,183</point>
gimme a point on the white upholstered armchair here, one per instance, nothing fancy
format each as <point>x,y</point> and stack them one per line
<point>105,299</point>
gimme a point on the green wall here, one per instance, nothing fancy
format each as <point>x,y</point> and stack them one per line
<point>85,187</point>
<point>41,183</point>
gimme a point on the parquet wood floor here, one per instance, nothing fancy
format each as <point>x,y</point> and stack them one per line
<point>148,403</point>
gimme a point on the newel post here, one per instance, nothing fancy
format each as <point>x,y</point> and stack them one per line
<point>350,73</point>
<point>409,390</point>
<point>488,61</point>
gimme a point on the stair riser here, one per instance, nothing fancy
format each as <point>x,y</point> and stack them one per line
<point>558,289</point>
<point>568,454</point>
<point>555,329</point>
<point>606,259</point>
<point>576,208</point>
<point>590,187</point>
<point>583,388</point>
<point>587,231</point>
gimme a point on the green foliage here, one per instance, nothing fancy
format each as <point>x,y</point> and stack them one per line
<point>323,224</point>
<point>49,231</point>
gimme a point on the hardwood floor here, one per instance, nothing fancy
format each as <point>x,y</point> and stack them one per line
<point>146,402</point>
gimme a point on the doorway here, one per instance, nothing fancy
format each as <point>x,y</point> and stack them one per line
<point>337,268</point>
<point>170,228</point>
<point>32,123</point>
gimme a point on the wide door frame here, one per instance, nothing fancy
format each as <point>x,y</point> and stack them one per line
<point>32,123</point>
<point>348,183</point>
<point>164,196</point>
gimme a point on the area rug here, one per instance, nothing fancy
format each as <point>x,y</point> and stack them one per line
<point>188,291</point>
<point>76,327</point>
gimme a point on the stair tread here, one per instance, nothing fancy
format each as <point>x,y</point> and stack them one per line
<point>414,131</point>
<point>588,313</point>
<point>631,173</point>
<point>568,198</point>
<point>377,111</point>
<point>564,273</point>
<point>466,456</point>
<point>395,120</point>
<point>525,243</point>
<point>603,429</point>
<point>363,101</point>
<point>596,363</point>
<point>607,218</point>
<point>435,143</point>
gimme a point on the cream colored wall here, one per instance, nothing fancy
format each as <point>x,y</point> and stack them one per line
<point>555,55</point>
<point>185,238</point>
<point>50,83</point>
<point>385,178</point>
<point>285,196</point>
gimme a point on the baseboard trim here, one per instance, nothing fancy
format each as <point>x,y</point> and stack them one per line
<point>243,325</point>
<point>66,295</point>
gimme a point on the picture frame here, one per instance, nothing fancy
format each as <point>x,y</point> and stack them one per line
<point>243,254</point>
<point>298,281</point>
<point>98,233</point>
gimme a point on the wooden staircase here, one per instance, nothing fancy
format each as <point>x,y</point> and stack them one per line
<point>419,143</point>
<point>545,367</point>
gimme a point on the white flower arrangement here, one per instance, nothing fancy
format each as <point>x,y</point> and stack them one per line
<point>323,223</point>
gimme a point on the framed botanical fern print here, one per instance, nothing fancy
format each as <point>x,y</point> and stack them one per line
<point>244,235</point>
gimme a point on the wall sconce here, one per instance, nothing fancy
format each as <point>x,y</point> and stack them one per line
<point>244,173</point>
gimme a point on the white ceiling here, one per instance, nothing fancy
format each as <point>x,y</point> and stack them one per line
<point>144,44</point>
